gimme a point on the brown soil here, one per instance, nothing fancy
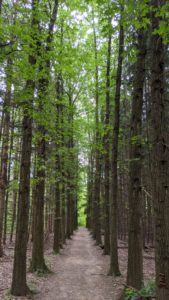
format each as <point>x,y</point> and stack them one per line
<point>78,273</point>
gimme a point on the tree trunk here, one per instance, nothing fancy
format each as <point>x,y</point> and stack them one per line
<point>160,153</point>
<point>19,285</point>
<point>15,192</point>
<point>107,154</point>
<point>89,223</point>
<point>38,262</point>
<point>57,215</point>
<point>114,266</point>
<point>135,243</point>
<point>5,146</point>
<point>96,199</point>
<point>8,181</point>
<point>63,213</point>
<point>57,221</point>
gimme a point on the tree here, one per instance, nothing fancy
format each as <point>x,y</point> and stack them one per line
<point>160,153</point>
<point>96,199</point>
<point>135,244</point>
<point>114,267</point>
<point>19,285</point>
<point>5,147</point>
<point>107,150</point>
<point>37,262</point>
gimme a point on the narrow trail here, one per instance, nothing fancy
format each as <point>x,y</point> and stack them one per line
<point>80,273</point>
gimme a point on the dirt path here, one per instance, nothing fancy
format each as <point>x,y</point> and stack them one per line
<point>80,273</point>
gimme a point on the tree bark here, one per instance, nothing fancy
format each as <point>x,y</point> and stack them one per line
<point>57,217</point>
<point>160,153</point>
<point>38,262</point>
<point>5,146</point>
<point>107,153</point>
<point>70,177</point>
<point>96,199</point>
<point>89,223</point>
<point>8,180</point>
<point>135,243</point>
<point>57,220</point>
<point>114,266</point>
<point>15,190</point>
<point>19,284</point>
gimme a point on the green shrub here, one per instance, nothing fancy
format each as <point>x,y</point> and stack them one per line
<point>146,292</point>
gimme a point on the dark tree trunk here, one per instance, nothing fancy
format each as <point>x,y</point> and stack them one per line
<point>114,266</point>
<point>89,223</point>
<point>96,199</point>
<point>63,213</point>
<point>57,217</point>
<point>160,152</point>
<point>19,285</point>
<point>57,221</point>
<point>5,146</point>
<point>63,190</point>
<point>38,262</point>
<point>135,243</point>
<point>15,191</point>
<point>59,182</point>
<point>70,172</point>
<point>8,181</point>
<point>107,154</point>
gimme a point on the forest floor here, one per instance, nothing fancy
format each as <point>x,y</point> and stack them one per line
<point>78,273</point>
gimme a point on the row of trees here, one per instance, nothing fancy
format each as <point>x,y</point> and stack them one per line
<point>83,91</point>
<point>39,180</point>
<point>128,166</point>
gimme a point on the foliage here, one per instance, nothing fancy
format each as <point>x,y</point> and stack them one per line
<point>146,292</point>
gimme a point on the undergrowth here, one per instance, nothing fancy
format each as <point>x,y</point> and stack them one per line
<point>147,292</point>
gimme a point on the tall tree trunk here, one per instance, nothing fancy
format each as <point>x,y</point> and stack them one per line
<point>160,152</point>
<point>15,193</point>
<point>19,284</point>
<point>8,180</point>
<point>63,213</point>
<point>57,220</point>
<point>89,224</point>
<point>57,215</point>
<point>58,232</point>
<point>5,146</point>
<point>38,262</point>
<point>63,190</point>
<point>135,243</point>
<point>96,209</point>
<point>107,153</point>
<point>70,177</point>
<point>114,266</point>
<point>15,180</point>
